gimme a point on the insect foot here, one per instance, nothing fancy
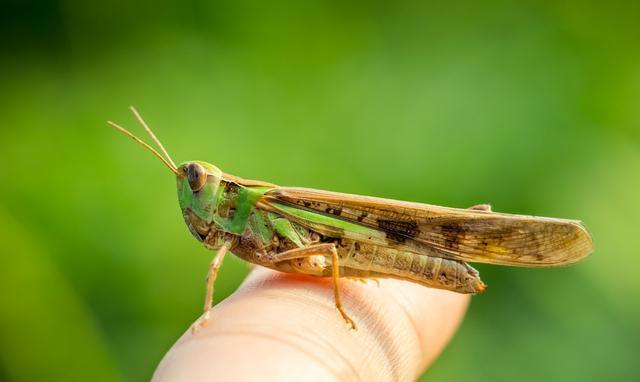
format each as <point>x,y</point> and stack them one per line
<point>365,280</point>
<point>481,207</point>
<point>346,318</point>
<point>200,323</point>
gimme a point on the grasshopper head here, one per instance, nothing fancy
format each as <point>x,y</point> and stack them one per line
<point>198,184</point>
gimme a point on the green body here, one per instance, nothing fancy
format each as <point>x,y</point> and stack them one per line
<point>208,204</point>
<point>231,208</point>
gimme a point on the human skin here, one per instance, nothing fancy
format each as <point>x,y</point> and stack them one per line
<point>282,327</point>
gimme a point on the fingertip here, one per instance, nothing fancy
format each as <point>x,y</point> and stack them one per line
<point>277,322</point>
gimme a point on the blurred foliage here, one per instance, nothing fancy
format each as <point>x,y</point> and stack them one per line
<point>532,106</point>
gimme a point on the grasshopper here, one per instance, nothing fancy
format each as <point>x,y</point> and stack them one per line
<point>329,234</point>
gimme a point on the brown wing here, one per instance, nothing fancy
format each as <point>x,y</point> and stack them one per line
<point>462,234</point>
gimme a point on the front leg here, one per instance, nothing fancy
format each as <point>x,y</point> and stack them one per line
<point>326,249</point>
<point>214,267</point>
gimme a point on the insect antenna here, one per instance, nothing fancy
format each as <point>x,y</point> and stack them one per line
<point>170,165</point>
<point>152,135</point>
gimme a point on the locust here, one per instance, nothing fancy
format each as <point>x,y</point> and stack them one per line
<point>329,234</point>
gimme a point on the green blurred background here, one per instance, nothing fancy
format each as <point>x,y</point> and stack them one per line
<point>531,106</point>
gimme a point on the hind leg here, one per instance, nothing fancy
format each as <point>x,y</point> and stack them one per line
<point>327,250</point>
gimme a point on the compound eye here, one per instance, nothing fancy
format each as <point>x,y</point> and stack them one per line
<point>196,176</point>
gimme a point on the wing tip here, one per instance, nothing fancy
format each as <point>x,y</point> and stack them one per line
<point>581,246</point>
